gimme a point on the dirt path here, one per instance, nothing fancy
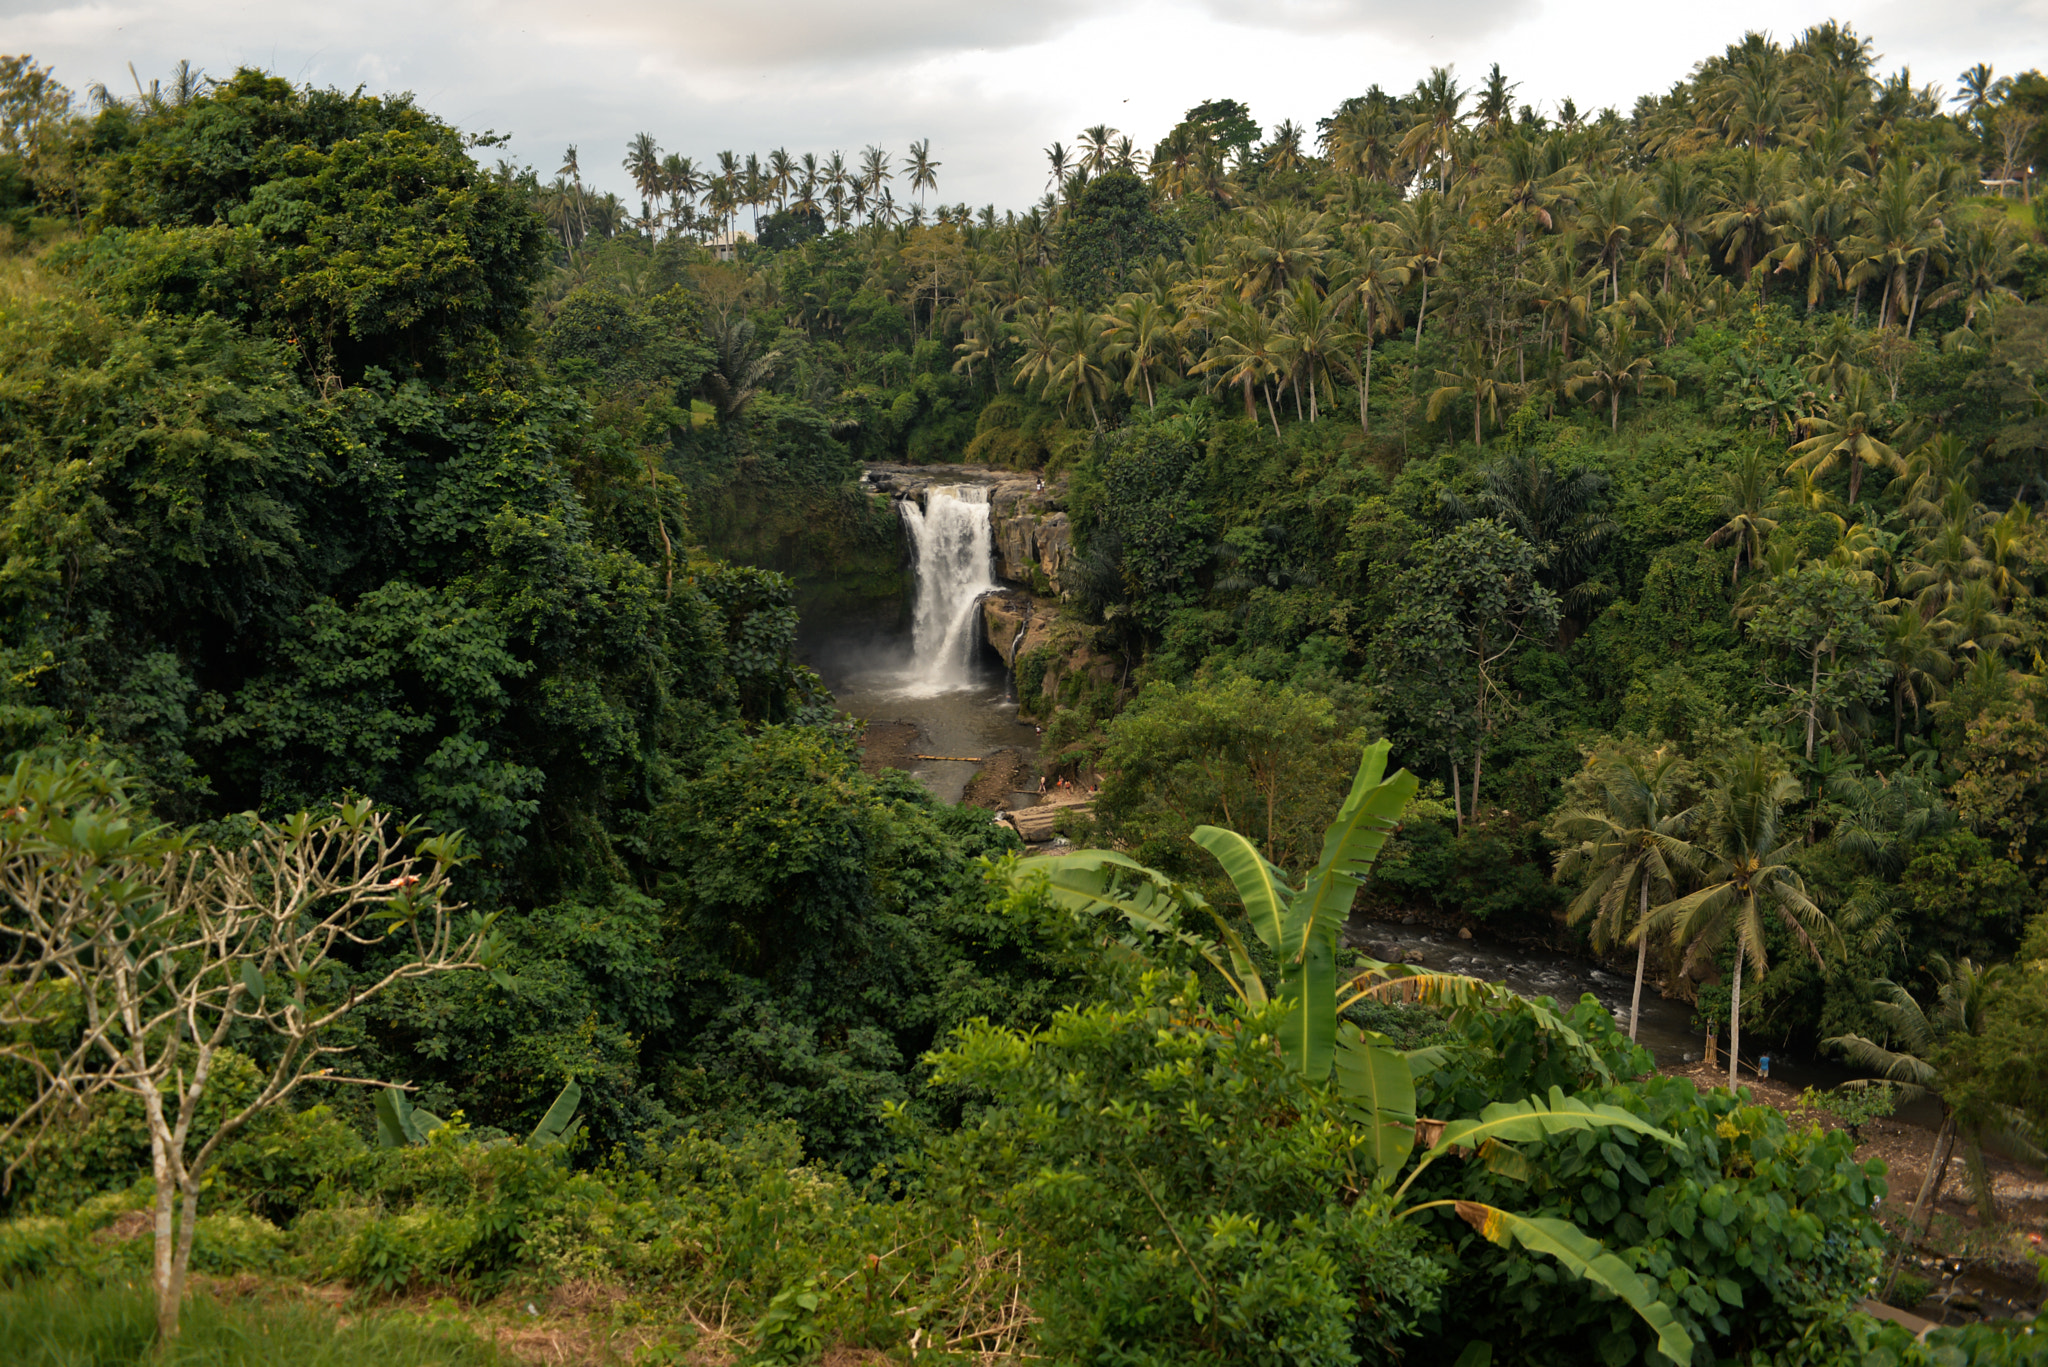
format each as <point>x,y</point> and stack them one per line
<point>1976,1268</point>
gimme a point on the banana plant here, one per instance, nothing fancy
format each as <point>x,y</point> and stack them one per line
<point>400,1123</point>
<point>1300,926</point>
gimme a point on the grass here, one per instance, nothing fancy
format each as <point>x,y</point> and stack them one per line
<point>58,1324</point>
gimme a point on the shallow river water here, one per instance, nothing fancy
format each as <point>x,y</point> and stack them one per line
<point>869,667</point>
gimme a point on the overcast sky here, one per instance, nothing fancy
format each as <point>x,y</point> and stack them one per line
<point>990,82</point>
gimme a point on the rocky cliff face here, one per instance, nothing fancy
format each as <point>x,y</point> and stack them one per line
<point>1033,540</point>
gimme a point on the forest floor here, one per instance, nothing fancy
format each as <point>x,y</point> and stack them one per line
<point>1974,1268</point>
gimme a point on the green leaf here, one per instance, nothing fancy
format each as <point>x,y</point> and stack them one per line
<point>1376,1084</point>
<point>1260,886</point>
<point>1585,1257</point>
<point>1103,883</point>
<point>1521,1122</point>
<point>554,1126</point>
<point>1351,844</point>
<point>252,978</point>
<point>394,1128</point>
<point>1478,1353</point>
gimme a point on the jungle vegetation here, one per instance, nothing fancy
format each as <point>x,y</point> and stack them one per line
<point>1659,485</point>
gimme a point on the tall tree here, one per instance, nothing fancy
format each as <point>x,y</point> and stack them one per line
<point>1631,848</point>
<point>1745,855</point>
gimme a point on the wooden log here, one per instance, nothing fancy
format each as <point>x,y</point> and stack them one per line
<point>961,759</point>
<point>1036,824</point>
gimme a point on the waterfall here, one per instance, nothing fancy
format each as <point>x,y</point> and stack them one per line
<point>954,563</point>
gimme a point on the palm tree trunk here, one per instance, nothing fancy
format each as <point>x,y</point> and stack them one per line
<point>1813,706</point>
<point>1937,1173</point>
<point>1919,280</point>
<point>1423,312</point>
<point>1735,1019</point>
<point>1365,394</point>
<point>1269,411</point>
<point>1251,410</point>
<point>1457,797</point>
<point>1937,1163</point>
<point>1635,1005</point>
<point>1614,410</point>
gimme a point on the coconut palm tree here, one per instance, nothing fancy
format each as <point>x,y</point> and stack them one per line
<point>1814,229</point>
<point>1367,281</point>
<point>1919,664</point>
<point>1680,200</point>
<point>1535,177</point>
<point>1282,151</point>
<point>1844,433</point>
<point>1982,256</point>
<point>1279,245</point>
<point>1077,361</point>
<point>1139,333</point>
<point>1062,163</point>
<point>1477,377</point>
<point>1975,88</point>
<point>1041,351</point>
<point>1745,858</point>
<point>1745,507</point>
<point>1917,1037</point>
<point>923,171</point>
<point>1437,118</point>
<point>1631,849</point>
<point>1902,234</point>
<point>1311,335</point>
<point>1097,148</point>
<point>1423,235</point>
<point>1608,217</point>
<point>1613,363</point>
<point>780,176</point>
<point>1243,351</point>
<point>1563,292</point>
<point>643,164</point>
<point>1744,212</point>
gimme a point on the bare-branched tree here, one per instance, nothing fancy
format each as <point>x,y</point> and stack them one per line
<point>131,953</point>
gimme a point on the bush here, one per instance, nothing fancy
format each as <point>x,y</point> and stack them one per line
<point>1182,1198</point>
<point>1746,1228</point>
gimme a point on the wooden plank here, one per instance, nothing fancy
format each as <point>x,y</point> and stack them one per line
<point>1036,824</point>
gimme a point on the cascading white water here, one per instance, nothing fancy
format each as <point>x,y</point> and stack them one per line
<point>950,534</point>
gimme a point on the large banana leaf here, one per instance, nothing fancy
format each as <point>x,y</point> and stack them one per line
<point>1377,1085</point>
<point>1351,844</point>
<point>554,1126</point>
<point>1101,882</point>
<point>1402,983</point>
<point>1262,887</point>
<point>1522,1122</point>
<point>1584,1256</point>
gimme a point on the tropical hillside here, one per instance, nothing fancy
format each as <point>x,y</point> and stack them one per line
<point>445,921</point>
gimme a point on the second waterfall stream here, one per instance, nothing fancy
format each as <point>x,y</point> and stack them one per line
<point>950,537</point>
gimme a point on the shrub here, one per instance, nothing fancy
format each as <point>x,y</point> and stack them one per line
<point>1181,1197</point>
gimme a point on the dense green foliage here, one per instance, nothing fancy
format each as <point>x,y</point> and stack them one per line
<point>334,462</point>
